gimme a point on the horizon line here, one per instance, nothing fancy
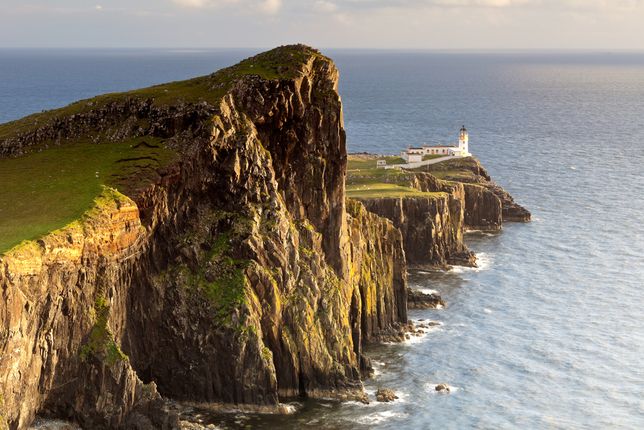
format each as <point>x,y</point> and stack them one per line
<point>389,49</point>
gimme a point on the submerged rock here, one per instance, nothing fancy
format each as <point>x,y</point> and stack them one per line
<point>385,395</point>
<point>442,387</point>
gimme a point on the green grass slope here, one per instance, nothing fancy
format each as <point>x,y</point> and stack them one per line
<point>46,190</point>
<point>366,181</point>
<point>280,63</point>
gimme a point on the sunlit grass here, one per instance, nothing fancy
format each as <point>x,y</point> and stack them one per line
<point>380,190</point>
<point>46,190</point>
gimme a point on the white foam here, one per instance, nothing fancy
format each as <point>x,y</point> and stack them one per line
<point>483,262</point>
<point>380,417</point>
<point>486,233</point>
<point>52,424</point>
<point>431,387</point>
<point>424,272</point>
<point>402,397</point>
<point>360,404</point>
<point>416,338</point>
<point>288,408</point>
<point>428,291</point>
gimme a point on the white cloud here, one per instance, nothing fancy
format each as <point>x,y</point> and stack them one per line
<point>325,6</point>
<point>192,3</point>
<point>265,6</point>
<point>98,7</point>
<point>271,6</point>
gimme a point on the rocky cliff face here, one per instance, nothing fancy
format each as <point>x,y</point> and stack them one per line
<point>432,227</point>
<point>433,224</point>
<point>237,277</point>
<point>482,211</point>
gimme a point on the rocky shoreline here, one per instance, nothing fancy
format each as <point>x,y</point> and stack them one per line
<point>240,275</point>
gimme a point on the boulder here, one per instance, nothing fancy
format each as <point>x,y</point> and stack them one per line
<point>385,395</point>
<point>442,387</point>
<point>420,300</point>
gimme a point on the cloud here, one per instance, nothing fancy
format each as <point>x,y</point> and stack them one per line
<point>193,3</point>
<point>265,6</point>
<point>421,4</point>
<point>319,5</point>
<point>271,6</point>
<point>325,6</point>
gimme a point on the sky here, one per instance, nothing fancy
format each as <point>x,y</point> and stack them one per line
<point>383,24</point>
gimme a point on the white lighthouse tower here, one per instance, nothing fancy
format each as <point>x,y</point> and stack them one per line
<point>463,142</point>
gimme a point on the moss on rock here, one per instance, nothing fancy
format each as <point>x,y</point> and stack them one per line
<point>100,343</point>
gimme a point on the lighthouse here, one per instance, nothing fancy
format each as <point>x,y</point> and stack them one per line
<point>463,142</point>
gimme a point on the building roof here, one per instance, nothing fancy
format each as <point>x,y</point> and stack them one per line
<point>440,146</point>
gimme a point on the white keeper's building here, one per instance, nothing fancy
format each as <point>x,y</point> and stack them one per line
<point>415,155</point>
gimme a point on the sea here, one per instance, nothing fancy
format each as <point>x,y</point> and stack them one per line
<point>548,331</point>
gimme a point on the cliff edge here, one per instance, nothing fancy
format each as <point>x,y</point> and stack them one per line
<point>204,253</point>
<point>433,206</point>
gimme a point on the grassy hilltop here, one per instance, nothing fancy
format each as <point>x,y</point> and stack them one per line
<point>366,181</point>
<point>58,181</point>
<point>46,190</point>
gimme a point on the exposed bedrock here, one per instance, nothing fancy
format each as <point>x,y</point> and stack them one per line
<point>483,209</point>
<point>237,277</point>
<point>511,211</point>
<point>59,295</point>
<point>419,300</point>
<point>433,224</point>
<point>432,227</point>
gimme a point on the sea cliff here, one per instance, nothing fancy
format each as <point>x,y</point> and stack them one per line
<point>218,261</point>
<point>434,206</point>
<point>232,275</point>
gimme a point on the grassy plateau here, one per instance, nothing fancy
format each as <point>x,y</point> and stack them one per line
<point>46,190</point>
<point>54,185</point>
<point>364,180</point>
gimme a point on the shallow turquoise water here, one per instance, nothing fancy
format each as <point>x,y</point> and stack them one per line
<point>549,332</point>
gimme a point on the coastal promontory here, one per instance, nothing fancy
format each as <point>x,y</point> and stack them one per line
<point>209,240</point>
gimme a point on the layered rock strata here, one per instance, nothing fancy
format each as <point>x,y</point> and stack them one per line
<point>433,223</point>
<point>432,227</point>
<point>236,277</point>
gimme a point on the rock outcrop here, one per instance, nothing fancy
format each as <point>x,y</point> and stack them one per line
<point>236,277</point>
<point>386,395</point>
<point>482,211</point>
<point>432,227</point>
<point>433,222</point>
<point>419,300</point>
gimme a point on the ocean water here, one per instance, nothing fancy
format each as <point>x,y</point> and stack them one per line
<point>549,331</point>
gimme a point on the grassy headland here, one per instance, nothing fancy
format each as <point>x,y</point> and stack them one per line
<point>364,180</point>
<point>279,63</point>
<point>454,169</point>
<point>55,184</point>
<point>46,190</point>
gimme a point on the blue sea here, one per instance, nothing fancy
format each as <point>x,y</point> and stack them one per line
<point>549,331</point>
